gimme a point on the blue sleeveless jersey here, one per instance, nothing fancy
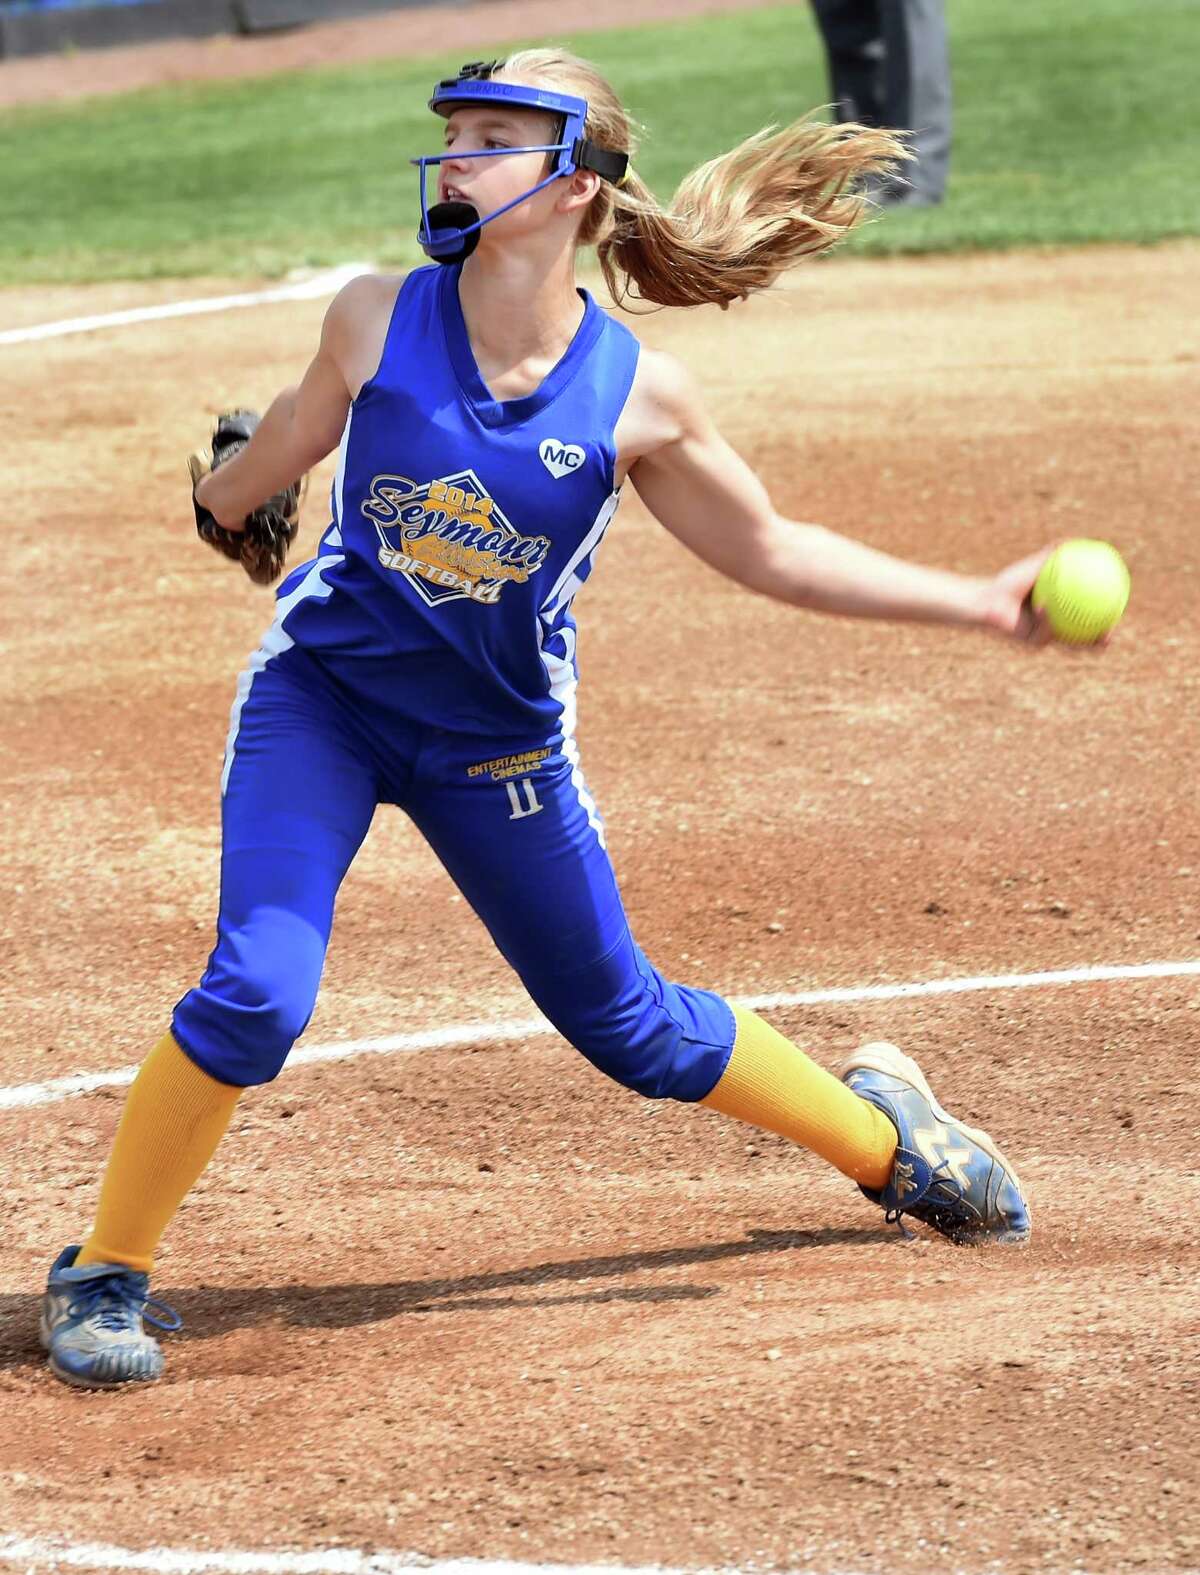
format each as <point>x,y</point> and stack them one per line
<point>462,527</point>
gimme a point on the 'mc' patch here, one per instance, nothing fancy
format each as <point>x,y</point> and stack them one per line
<point>560,459</point>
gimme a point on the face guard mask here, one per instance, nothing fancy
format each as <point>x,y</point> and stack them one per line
<point>450,230</point>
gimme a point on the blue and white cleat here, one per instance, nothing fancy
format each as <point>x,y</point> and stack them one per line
<point>946,1174</point>
<point>92,1324</point>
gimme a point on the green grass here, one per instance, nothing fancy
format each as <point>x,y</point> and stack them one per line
<point>1076,121</point>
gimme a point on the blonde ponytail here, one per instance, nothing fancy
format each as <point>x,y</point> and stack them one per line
<point>737,222</point>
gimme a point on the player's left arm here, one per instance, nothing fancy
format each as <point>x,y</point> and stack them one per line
<point>705,494</point>
<point>302,424</point>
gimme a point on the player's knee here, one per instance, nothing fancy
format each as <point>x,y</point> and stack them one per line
<point>661,1040</point>
<point>254,1002</point>
<point>276,1021</point>
<point>242,1041</point>
<point>648,1064</point>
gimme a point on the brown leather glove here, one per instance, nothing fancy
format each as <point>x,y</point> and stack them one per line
<point>261,547</point>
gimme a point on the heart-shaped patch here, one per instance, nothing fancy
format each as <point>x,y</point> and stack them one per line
<point>560,459</point>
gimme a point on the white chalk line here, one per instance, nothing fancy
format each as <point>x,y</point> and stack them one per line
<point>37,1552</point>
<point>460,1036</point>
<point>322,284</point>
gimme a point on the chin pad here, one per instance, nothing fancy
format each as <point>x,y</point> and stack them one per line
<point>443,240</point>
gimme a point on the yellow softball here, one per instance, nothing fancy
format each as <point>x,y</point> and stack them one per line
<point>1083,586</point>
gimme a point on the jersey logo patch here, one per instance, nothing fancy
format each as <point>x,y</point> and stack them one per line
<point>449,539</point>
<point>560,459</point>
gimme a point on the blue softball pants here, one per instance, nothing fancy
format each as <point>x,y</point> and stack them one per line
<point>510,819</point>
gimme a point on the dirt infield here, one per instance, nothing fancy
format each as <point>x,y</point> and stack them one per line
<point>478,1302</point>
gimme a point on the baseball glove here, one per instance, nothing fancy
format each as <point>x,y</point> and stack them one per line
<point>262,545</point>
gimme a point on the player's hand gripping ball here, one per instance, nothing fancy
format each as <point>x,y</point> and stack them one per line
<point>261,546</point>
<point>1083,587</point>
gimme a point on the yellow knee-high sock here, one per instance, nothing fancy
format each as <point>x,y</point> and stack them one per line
<point>173,1120</point>
<point>773,1084</point>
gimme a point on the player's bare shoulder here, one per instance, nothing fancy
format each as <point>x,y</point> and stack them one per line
<point>356,325</point>
<point>662,405</point>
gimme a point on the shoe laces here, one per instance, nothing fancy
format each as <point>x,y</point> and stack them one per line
<point>113,1304</point>
<point>941,1212</point>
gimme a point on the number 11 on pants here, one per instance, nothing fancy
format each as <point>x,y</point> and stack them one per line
<point>530,806</point>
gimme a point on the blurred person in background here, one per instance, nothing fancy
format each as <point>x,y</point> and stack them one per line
<point>889,65</point>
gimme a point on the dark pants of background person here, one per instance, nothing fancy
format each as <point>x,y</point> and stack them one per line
<point>889,65</point>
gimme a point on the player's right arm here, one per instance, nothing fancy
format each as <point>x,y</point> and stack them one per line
<point>705,494</point>
<point>305,423</point>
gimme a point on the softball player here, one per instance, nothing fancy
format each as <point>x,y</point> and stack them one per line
<point>486,414</point>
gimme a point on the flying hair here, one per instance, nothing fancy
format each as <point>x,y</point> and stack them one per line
<point>736,223</point>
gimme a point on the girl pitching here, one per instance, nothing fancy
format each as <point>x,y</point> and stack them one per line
<point>487,414</point>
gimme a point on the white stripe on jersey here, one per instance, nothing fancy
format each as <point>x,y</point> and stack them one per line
<point>563,684</point>
<point>568,581</point>
<point>334,534</point>
<point>274,643</point>
<point>277,640</point>
<point>560,670</point>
